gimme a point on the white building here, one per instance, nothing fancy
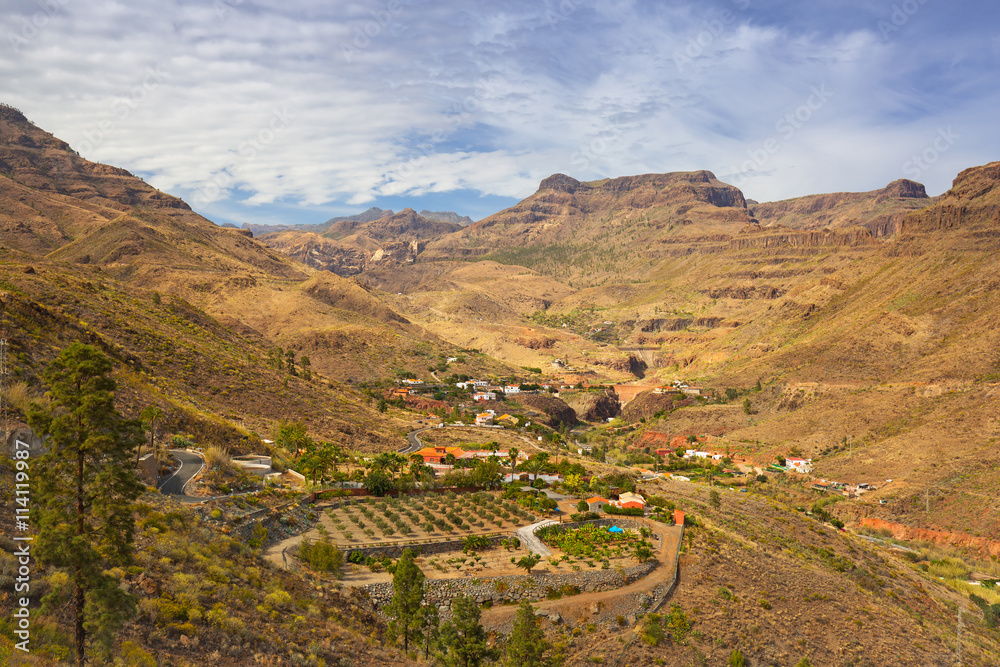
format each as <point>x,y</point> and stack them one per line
<point>798,465</point>
<point>484,396</point>
<point>512,389</point>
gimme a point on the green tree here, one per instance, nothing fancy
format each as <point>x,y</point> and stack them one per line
<point>407,599</point>
<point>429,630</point>
<point>736,658</point>
<point>150,415</point>
<point>86,488</point>
<point>533,466</point>
<point>463,637</point>
<point>528,562</point>
<point>582,506</point>
<point>714,499</point>
<point>377,482</point>
<point>747,408</point>
<point>526,646</point>
<point>292,436</point>
<point>487,474</point>
<point>643,551</point>
<point>306,371</point>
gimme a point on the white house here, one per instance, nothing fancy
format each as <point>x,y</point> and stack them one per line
<point>512,389</point>
<point>479,383</point>
<point>484,419</point>
<point>484,396</point>
<point>798,465</point>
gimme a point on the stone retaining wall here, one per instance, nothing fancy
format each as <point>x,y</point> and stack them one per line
<point>424,548</point>
<point>514,588</point>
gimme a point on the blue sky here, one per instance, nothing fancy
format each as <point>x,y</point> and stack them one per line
<point>287,112</point>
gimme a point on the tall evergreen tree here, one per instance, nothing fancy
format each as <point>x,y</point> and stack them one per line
<point>527,645</point>
<point>463,636</point>
<point>150,414</point>
<point>407,598</point>
<point>86,488</point>
<point>430,630</point>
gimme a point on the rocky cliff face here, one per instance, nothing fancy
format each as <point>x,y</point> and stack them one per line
<point>972,204</point>
<point>880,212</point>
<point>593,406</point>
<point>318,252</point>
<point>556,410</point>
<point>617,218</point>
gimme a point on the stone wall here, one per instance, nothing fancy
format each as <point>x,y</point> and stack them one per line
<point>422,548</point>
<point>514,588</point>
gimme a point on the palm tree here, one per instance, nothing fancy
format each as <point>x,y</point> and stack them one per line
<point>534,466</point>
<point>528,562</point>
<point>150,414</point>
<point>512,453</point>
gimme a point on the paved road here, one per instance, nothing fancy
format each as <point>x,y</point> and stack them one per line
<point>530,541</point>
<point>190,465</point>
<point>415,443</point>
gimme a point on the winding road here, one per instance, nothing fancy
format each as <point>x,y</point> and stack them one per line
<point>191,465</point>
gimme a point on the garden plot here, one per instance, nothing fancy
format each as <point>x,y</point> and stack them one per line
<point>583,549</point>
<point>435,517</point>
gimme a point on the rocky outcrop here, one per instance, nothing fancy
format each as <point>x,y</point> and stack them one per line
<point>593,406</point>
<point>557,412</point>
<point>744,292</point>
<point>973,203</point>
<point>880,212</point>
<point>648,403</point>
<point>318,252</point>
<point>630,364</point>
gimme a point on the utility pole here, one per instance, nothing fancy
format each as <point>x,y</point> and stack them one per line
<point>927,500</point>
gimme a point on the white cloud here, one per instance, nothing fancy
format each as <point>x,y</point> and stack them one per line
<point>408,98</point>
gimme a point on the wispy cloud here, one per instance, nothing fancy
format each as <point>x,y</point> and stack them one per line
<point>387,99</point>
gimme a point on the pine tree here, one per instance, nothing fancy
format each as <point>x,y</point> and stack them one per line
<point>86,490</point>
<point>463,636</point>
<point>527,645</point>
<point>150,414</point>
<point>429,633</point>
<point>407,598</point>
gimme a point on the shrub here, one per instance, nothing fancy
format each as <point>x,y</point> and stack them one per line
<point>736,659</point>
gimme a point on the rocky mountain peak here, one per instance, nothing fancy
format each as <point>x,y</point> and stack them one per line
<point>559,183</point>
<point>902,189</point>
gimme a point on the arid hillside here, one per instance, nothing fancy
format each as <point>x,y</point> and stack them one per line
<point>202,319</point>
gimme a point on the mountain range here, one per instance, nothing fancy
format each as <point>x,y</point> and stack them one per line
<point>865,318</point>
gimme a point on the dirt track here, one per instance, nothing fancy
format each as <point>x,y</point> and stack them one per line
<point>578,608</point>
